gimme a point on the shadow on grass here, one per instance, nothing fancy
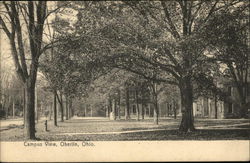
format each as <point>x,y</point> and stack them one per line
<point>85,121</point>
<point>199,134</point>
<point>12,126</point>
<point>172,134</point>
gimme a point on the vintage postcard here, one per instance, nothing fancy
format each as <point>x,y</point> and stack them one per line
<point>124,81</point>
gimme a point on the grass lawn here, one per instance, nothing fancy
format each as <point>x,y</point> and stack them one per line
<point>101,129</point>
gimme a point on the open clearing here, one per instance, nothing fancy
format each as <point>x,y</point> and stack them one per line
<point>102,129</point>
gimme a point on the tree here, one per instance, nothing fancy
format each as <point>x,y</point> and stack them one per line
<point>228,31</point>
<point>35,30</point>
<point>26,57</point>
<point>148,37</point>
<point>177,53</point>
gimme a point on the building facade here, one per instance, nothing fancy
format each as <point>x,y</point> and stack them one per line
<point>209,108</point>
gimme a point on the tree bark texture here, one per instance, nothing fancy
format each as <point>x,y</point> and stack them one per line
<point>187,123</point>
<point>30,110</point>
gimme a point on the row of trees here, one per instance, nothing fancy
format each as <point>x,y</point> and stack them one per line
<point>161,41</point>
<point>11,95</point>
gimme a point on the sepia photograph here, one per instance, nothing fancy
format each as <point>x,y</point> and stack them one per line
<point>131,80</point>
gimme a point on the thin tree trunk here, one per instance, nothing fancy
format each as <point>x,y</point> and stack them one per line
<point>13,109</point>
<point>137,105</point>
<point>24,105</point>
<point>142,110</point>
<point>156,111</point>
<point>106,111</point>
<point>119,104</point>
<point>67,108</point>
<point>149,110</point>
<point>7,109</point>
<point>50,110</point>
<point>55,109</point>
<point>3,104</point>
<point>169,109</point>
<point>155,102</point>
<point>85,110</point>
<point>175,108</point>
<point>159,111</point>
<point>61,106</point>
<point>110,105</point>
<point>36,108</point>
<point>114,108</point>
<point>72,112</point>
<point>91,111</point>
<point>215,106</point>
<point>243,107</point>
<point>127,108</point>
<point>70,108</point>
<point>166,109</point>
<point>58,107</point>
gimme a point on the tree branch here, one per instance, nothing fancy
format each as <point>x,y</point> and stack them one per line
<point>7,32</point>
<point>19,39</point>
<point>172,26</point>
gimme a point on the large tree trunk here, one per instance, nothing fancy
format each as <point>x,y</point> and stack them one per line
<point>127,108</point>
<point>187,123</point>
<point>55,109</point>
<point>30,109</point>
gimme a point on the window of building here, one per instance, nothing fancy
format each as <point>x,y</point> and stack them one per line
<point>230,107</point>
